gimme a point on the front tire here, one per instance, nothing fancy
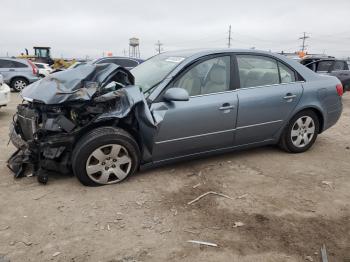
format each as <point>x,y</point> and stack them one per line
<point>301,132</point>
<point>106,155</point>
<point>19,83</point>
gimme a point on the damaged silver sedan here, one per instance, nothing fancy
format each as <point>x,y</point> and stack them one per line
<point>102,124</point>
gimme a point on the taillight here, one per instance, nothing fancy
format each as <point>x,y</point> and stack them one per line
<point>35,70</point>
<point>340,90</point>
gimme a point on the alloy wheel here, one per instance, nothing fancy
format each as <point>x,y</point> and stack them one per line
<point>108,164</point>
<point>20,84</point>
<point>303,131</point>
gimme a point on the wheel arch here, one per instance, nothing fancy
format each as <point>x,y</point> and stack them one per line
<point>317,111</point>
<point>18,76</point>
<point>117,123</point>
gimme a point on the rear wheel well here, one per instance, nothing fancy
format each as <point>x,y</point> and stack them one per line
<point>319,116</point>
<point>18,77</point>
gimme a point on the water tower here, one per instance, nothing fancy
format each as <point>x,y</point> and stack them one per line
<point>134,47</point>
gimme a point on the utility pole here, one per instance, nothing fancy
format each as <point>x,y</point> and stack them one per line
<point>229,37</point>
<point>159,47</point>
<point>124,52</point>
<point>304,37</point>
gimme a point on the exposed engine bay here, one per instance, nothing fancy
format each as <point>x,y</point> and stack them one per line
<point>59,109</point>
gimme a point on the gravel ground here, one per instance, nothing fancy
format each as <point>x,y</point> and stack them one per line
<point>287,205</point>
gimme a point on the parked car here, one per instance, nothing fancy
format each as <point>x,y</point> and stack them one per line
<point>125,62</point>
<point>18,73</point>
<point>4,92</point>
<point>330,66</point>
<point>104,123</point>
<point>44,69</point>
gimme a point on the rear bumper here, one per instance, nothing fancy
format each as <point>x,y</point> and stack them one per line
<point>333,115</point>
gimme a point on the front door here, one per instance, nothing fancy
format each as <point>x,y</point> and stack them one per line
<point>269,92</point>
<point>207,121</point>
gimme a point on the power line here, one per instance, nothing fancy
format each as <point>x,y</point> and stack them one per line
<point>159,48</point>
<point>229,37</point>
<point>304,37</point>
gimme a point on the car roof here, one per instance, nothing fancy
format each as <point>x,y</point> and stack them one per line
<point>15,59</point>
<point>202,52</point>
<point>120,57</point>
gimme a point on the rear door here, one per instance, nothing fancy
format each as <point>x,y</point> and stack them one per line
<point>204,123</point>
<point>269,91</point>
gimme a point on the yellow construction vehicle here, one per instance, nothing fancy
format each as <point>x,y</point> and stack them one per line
<point>42,55</point>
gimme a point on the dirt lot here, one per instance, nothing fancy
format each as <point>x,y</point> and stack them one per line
<point>290,205</point>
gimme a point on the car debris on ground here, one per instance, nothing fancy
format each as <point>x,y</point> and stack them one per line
<point>208,193</point>
<point>238,224</point>
<point>202,243</point>
<point>324,253</point>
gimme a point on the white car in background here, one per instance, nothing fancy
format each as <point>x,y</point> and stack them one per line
<point>4,92</point>
<point>44,69</point>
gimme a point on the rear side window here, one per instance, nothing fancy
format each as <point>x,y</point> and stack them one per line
<point>257,70</point>
<point>339,65</point>
<point>11,64</point>
<point>324,66</point>
<point>16,64</point>
<point>5,63</point>
<point>287,75</point>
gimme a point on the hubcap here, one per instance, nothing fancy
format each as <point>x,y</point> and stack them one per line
<point>20,84</point>
<point>303,131</point>
<point>108,164</point>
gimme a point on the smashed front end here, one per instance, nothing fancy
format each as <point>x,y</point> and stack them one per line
<point>59,109</point>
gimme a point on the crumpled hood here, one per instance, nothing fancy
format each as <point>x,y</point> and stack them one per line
<point>78,84</point>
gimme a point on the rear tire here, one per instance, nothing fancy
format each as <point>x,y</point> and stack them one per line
<point>301,132</point>
<point>18,83</point>
<point>106,155</point>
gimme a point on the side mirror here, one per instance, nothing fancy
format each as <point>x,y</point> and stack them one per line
<point>176,94</point>
<point>1,80</point>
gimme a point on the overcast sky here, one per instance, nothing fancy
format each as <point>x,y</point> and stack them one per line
<point>79,28</point>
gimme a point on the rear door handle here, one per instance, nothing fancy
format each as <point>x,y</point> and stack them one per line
<point>289,96</point>
<point>226,106</point>
<point>12,70</point>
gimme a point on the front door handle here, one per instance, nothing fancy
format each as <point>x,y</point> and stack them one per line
<point>226,106</point>
<point>12,70</point>
<point>289,96</point>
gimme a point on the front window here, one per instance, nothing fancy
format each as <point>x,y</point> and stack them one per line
<point>210,76</point>
<point>42,52</point>
<point>153,71</point>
